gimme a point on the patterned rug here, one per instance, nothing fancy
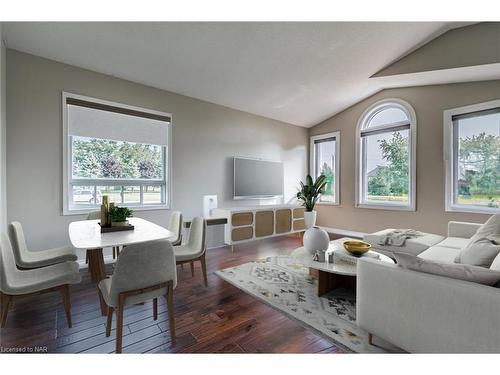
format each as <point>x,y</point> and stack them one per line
<point>286,285</point>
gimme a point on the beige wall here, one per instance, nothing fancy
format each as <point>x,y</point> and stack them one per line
<point>3,127</point>
<point>205,137</point>
<point>472,45</point>
<point>429,103</point>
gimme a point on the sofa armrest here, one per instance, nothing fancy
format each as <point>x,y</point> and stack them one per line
<point>420,312</point>
<point>462,229</point>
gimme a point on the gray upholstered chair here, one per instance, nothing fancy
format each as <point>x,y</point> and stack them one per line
<point>15,282</point>
<point>195,247</point>
<point>36,259</point>
<point>175,226</point>
<point>143,272</point>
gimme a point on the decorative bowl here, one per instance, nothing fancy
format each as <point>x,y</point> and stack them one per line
<point>316,239</point>
<point>357,248</point>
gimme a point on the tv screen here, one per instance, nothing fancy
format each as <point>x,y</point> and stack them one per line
<point>255,178</point>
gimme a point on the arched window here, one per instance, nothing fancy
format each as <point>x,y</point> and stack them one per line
<point>386,155</point>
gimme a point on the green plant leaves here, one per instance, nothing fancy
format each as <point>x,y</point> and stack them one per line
<point>120,213</point>
<point>310,192</point>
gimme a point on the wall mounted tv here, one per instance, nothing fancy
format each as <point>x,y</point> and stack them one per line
<point>256,178</point>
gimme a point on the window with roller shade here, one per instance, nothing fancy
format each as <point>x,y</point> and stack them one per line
<point>324,156</point>
<point>115,150</point>
<point>472,155</point>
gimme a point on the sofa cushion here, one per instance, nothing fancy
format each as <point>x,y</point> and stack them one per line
<point>480,253</point>
<point>440,254</point>
<point>455,271</point>
<point>455,242</point>
<point>412,245</point>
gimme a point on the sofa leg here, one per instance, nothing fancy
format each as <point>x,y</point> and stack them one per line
<point>370,339</point>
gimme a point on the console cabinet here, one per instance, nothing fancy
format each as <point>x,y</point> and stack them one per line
<point>250,223</point>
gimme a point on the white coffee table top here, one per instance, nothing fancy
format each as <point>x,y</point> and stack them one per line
<point>339,267</point>
<point>86,234</point>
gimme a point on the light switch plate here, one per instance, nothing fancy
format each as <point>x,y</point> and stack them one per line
<point>209,203</point>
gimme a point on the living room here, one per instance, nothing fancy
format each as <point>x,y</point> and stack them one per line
<point>250,187</point>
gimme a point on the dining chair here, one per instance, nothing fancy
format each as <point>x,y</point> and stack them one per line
<point>15,282</point>
<point>175,226</point>
<point>143,272</point>
<point>195,247</point>
<point>35,259</point>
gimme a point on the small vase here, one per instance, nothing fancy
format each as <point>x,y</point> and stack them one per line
<point>309,219</point>
<point>316,239</point>
<point>119,223</point>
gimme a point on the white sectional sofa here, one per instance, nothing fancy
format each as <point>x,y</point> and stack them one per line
<point>425,313</point>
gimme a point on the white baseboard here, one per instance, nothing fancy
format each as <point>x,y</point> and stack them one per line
<point>343,232</point>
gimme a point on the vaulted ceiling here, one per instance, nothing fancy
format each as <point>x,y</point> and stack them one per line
<point>299,73</point>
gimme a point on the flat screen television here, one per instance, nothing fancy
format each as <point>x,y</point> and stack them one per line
<point>256,178</point>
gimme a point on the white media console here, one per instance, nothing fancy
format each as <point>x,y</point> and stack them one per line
<point>255,222</point>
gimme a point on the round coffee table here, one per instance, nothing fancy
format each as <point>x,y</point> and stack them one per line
<point>335,274</point>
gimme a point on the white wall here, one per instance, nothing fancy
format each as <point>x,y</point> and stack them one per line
<point>205,137</point>
<point>3,127</point>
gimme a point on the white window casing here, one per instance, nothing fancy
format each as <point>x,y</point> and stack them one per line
<point>363,130</point>
<point>313,163</point>
<point>134,124</point>
<point>450,155</point>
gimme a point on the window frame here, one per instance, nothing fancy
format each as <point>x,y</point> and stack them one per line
<point>68,181</point>
<point>363,121</point>
<point>312,164</point>
<point>450,148</point>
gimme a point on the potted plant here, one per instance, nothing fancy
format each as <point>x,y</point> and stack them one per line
<point>309,193</point>
<point>119,215</point>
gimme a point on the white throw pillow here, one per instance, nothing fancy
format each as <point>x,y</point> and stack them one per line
<point>495,266</point>
<point>489,229</point>
<point>480,253</point>
<point>455,271</point>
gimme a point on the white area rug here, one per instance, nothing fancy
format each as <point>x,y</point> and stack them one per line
<point>286,285</point>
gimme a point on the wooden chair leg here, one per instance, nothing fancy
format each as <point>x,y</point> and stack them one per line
<point>87,257</point>
<point>67,303</point>
<point>192,268</point>
<point>170,307</point>
<point>5,300</point>
<point>119,326</point>
<point>155,308</point>
<point>109,322</point>
<point>204,269</point>
<point>370,339</point>
<point>114,252</point>
<point>117,251</point>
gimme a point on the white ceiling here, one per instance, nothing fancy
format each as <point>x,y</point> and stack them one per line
<point>300,73</point>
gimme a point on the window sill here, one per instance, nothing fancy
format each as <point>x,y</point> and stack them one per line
<point>388,207</point>
<point>327,204</point>
<point>85,211</point>
<point>473,210</point>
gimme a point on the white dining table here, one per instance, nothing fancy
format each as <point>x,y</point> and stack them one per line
<point>86,234</point>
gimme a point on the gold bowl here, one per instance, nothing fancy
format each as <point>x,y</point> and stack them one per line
<point>357,248</point>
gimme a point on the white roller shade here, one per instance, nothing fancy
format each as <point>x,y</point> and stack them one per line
<point>109,123</point>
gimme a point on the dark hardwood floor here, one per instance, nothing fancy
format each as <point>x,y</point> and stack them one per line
<point>217,319</point>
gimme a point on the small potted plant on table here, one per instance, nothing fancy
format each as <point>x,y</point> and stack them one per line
<point>119,215</point>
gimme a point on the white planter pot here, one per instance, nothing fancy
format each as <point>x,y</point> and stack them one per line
<point>309,219</point>
<point>316,239</point>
